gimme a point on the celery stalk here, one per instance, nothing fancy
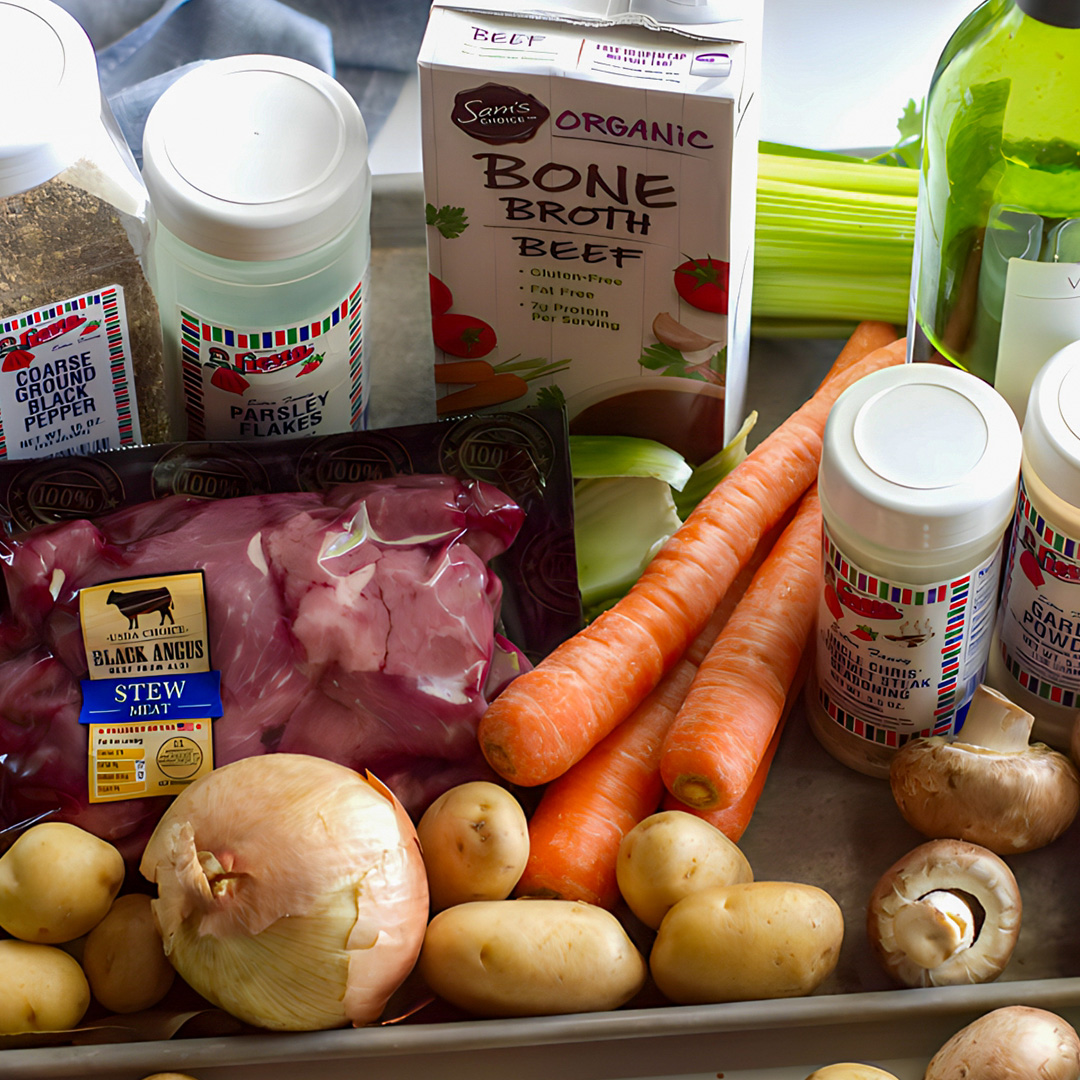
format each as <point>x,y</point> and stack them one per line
<point>709,473</point>
<point>619,524</point>
<point>630,495</point>
<point>593,456</point>
<point>834,236</point>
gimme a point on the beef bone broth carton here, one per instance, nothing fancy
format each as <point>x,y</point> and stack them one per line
<point>589,170</point>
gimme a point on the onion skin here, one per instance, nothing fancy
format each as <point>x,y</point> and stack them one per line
<point>291,891</point>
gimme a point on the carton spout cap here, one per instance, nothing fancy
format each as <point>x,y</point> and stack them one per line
<point>677,11</point>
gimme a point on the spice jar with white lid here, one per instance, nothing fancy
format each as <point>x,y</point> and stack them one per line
<point>260,192</point>
<point>1035,657</point>
<point>918,481</point>
<point>80,337</point>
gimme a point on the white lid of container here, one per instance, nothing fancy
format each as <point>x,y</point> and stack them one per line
<point>256,158</point>
<point>1052,424</point>
<point>921,457</point>
<point>52,98</point>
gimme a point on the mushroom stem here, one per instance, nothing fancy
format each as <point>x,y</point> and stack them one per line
<point>993,722</point>
<point>934,928</point>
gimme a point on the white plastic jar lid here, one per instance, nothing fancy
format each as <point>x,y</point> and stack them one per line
<point>53,96</point>
<point>1052,424</point>
<point>921,457</point>
<point>255,158</point>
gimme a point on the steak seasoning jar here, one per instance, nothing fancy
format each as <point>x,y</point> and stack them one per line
<point>261,197</point>
<point>918,481</point>
<point>80,337</point>
<point>1035,659</point>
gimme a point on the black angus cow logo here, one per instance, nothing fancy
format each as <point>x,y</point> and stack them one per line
<point>138,602</point>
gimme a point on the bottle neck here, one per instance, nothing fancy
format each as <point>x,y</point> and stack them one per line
<point>1063,13</point>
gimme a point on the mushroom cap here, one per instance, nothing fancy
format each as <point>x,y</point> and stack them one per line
<point>960,867</point>
<point>1008,803</point>
<point>1015,1042</point>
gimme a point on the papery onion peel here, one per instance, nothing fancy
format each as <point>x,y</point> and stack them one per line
<point>291,891</point>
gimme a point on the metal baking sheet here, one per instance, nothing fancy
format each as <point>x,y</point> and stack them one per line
<point>818,822</point>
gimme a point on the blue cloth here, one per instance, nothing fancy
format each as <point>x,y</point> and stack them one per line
<point>143,46</point>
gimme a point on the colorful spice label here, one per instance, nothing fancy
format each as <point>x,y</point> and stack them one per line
<point>151,693</point>
<point>66,383</point>
<point>285,382</point>
<point>895,660</point>
<point>1040,608</point>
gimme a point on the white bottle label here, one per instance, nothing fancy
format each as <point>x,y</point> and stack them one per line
<point>1041,314</point>
<point>66,384</point>
<point>1040,608</point>
<point>277,383</point>
<point>894,660</point>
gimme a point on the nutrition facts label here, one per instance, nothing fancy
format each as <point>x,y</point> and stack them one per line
<point>129,761</point>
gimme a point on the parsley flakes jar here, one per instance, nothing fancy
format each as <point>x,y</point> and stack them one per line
<point>261,196</point>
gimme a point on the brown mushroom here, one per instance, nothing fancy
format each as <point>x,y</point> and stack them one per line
<point>989,785</point>
<point>946,913</point>
<point>1015,1042</point>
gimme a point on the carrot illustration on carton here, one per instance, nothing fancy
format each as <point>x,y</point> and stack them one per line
<point>485,384</point>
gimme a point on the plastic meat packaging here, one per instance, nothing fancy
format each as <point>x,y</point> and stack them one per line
<point>358,621</point>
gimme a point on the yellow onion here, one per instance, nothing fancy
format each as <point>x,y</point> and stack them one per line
<point>291,891</point>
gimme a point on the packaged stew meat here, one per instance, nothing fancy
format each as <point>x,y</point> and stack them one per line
<point>589,174</point>
<point>359,597</point>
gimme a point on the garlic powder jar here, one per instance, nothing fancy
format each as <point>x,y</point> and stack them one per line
<point>261,196</point>
<point>918,480</point>
<point>1035,659</point>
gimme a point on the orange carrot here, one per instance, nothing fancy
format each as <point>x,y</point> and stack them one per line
<point>718,738</point>
<point>865,338</point>
<point>501,387</point>
<point>549,717</point>
<point>463,371</point>
<point>733,820</point>
<point>576,828</point>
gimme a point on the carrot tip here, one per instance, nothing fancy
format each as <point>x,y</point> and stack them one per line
<point>696,791</point>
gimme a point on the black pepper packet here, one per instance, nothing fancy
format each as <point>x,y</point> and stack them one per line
<point>525,454</point>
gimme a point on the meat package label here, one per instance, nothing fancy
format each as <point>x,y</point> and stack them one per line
<point>151,693</point>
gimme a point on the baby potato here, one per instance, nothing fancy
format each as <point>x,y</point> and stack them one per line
<point>850,1070</point>
<point>124,959</point>
<point>530,958</point>
<point>42,988</point>
<point>670,855</point>
<point>57,881</point>
<point>475,841</point>
<point>745,942</point>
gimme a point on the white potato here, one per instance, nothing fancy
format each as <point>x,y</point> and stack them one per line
<point>530,958</point>
<point>42,988</point>
<point>745,942</point>
<point>850,1070</point>
<point>124,959</point>
<point>475,840</point>
<point>57,881</point>
<point>670,855</point>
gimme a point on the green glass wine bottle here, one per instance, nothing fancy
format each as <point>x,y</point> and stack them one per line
<point>996,274</point>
